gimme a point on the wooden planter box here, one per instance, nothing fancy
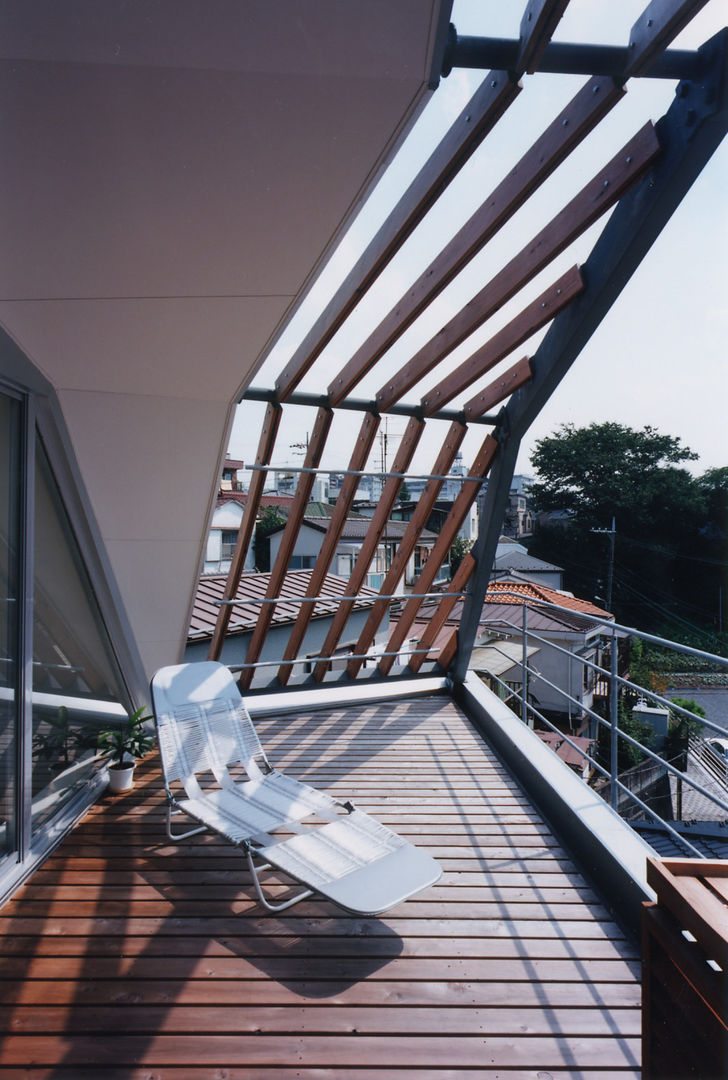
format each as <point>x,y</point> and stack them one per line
<point>685,972</point>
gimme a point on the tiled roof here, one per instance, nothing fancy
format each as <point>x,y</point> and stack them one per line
<point>253,587</point>
<point>532,591</point>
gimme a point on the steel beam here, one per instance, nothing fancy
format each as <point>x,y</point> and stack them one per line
<point>689,133</point>
<point>566,58</point>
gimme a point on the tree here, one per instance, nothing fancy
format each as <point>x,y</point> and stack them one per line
<point>679,730</point>
<point>607,472</point>
<point>270,520</point>
<point>459,549</point>
<point>404,493</point>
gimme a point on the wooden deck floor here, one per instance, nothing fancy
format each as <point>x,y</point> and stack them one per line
<point>127,957</point>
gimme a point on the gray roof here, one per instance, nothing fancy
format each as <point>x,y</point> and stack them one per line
<point>523,562</point>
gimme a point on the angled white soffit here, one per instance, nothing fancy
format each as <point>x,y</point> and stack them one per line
<point>175,173</point>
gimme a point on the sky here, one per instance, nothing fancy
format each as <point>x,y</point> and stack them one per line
<point>659,356</point>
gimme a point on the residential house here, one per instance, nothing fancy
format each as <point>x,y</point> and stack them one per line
<point>225,525</point>
<point>512,558</point>
<point>519,520</point>
<point>312,533</point>
<point>247,606</point>
<point>560,685</point>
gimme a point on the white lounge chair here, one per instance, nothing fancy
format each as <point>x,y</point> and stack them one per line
<point>343,854</point>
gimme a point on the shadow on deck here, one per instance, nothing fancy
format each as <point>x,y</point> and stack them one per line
<point>125,956</point>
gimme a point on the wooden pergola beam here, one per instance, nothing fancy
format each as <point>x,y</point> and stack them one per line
<point>571,126</point>
<point>403,458</point>
<point>598,196</point>
<point>539,21</point>
<point>465,499</point>
<point>506,384</point>
<point>657,26</point>
<point>431,490</point>
<point>266,442</point>
<point>362,449</point>
<point>319,434</point>
<point>533,317</point>
<point>497,91</point>
<point>438,619</point>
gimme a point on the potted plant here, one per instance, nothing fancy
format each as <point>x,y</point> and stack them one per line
<point>126,743</point>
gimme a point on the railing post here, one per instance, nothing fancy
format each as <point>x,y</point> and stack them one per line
<point>524,667</point>
<point>614,715</point>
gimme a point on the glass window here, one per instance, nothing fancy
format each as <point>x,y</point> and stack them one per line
<point>77,688</point>
<point>10,473</point>
<point>228,540</point>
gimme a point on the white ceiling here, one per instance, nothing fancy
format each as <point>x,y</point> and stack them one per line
<point>175,171</point>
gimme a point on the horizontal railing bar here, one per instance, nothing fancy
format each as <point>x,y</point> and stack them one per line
<point>259,393</point>
<point>652,638</point>
<point>325,659</point>
<point>605,772</point>
<point>633,742</point>
<point>366,472</point>
<point>331,599</point>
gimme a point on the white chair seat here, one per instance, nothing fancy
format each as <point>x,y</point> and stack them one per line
<point>335,850</point>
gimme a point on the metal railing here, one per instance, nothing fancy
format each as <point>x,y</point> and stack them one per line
<point>537,694</point>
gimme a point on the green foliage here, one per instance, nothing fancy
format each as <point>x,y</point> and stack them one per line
<point>679,730</point>
<point>53,742</point>
<point>671,528</point>
<point>603,470</point>
<point>459,549</point>
<point>270,519</point>
<point>129,738</point>
<point>404,493</point>
<point>627,755</point>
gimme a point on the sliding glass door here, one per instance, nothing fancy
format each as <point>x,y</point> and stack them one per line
<point>10,548</point>
<point>60,683</point>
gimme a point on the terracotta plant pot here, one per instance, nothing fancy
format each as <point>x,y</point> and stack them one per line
<point>121,777</point>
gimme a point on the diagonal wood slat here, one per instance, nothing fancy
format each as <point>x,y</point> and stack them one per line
<point>539,21</point>
<point>533,317</point>
<point>271,423</point>
<point>403,458</point>
<point>506,384</point>
<point>657,26</point>
<point>362,449</point>
<point>570,127</point>
<point>465,499</point>
<point>598,196</point>
<point>438,619</point>
<point>476,120</point>
<point>445,458</point>
<point>319,434</point>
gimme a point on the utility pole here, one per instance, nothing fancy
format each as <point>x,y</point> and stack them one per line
<point>612,534</point>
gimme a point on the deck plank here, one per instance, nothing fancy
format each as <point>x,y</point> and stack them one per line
<point>511,962</point>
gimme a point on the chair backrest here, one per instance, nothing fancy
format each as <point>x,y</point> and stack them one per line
<point>202,723</point>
